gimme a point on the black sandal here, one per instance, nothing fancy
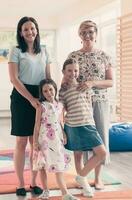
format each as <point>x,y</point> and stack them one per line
<point>20,192</point>
<point>36,190</point>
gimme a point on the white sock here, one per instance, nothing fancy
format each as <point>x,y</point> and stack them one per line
<point>83,182</point>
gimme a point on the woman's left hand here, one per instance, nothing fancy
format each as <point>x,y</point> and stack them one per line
<point>85,85</point>
<point>35,103</point>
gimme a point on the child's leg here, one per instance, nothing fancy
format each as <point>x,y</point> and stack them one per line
<point>43,178</point>
<point>78,158</point>
<point>61,183</point>
<point>99,155</point>
<point>63,187</point>
<point>82,180</point>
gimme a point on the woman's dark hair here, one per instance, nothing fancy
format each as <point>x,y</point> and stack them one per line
<point>69,61</point>
<point>20,40</point>
<point>42,83</point>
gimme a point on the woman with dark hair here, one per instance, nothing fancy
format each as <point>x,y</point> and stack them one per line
<point>29,63</point>
<point>95,68</point>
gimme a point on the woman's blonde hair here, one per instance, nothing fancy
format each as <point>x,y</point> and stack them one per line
<point>86,24</point>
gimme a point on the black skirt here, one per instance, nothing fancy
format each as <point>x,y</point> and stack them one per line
<point>22,112</point>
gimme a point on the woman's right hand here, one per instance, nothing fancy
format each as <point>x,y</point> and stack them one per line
<point>35,103</point>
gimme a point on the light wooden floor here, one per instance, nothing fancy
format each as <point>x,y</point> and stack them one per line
<point>120,166</point>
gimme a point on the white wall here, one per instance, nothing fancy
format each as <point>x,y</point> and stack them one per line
<point>79,10</point>
<point>66,24</point>
<point>10,22</point>
<point>126,7</point>
<point>5,87</point>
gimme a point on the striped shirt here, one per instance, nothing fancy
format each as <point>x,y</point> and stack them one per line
<point>78,106</point>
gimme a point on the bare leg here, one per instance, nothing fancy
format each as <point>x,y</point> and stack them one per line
<point>99,155</point>
<point>78,158</point>
<point>43,178</point>
<point>33,173</point>
<point>98,182</point>
<point>61,183</point>
<point>19,159</point>
<point>82,180</point>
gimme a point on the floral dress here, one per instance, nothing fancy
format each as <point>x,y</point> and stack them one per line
<point>93,66</point>
<point>52,155</point>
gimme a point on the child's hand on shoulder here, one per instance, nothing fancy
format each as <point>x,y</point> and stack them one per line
<point>85,85</point>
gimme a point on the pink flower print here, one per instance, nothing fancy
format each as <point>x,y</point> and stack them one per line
<point>44,145</point>
<point>44,120</point>
<point>48,125</point>
<point>67,158</point>
<point>43,109</point>
<point>50,134</point>
<point>53,168</point>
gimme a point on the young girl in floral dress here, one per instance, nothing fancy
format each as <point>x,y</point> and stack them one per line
<point>49,138</point>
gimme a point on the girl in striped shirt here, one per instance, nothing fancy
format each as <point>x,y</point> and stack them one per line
<point>79,125</point>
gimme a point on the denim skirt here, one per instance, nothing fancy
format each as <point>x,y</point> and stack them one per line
<point>82,138</point>
<point>22,112</point>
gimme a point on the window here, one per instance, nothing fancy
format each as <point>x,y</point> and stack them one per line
<point>124,70</point>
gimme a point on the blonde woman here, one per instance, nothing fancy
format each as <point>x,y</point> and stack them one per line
<point>95,68</point>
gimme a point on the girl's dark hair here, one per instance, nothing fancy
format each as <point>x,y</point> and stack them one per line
<point>42,83</point>
<point>20,40</point>
<point>69,61</point>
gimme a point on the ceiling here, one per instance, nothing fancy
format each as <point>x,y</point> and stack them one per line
<point>48,10</point>
<point>48,13</point>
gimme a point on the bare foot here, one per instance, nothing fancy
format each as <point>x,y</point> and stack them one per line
<point>99,185</point>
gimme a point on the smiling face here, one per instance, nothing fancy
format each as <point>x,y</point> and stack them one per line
<point>29,32</point>
<point>48,92</point>
<point>71,72</point>
<point>88,35</point>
